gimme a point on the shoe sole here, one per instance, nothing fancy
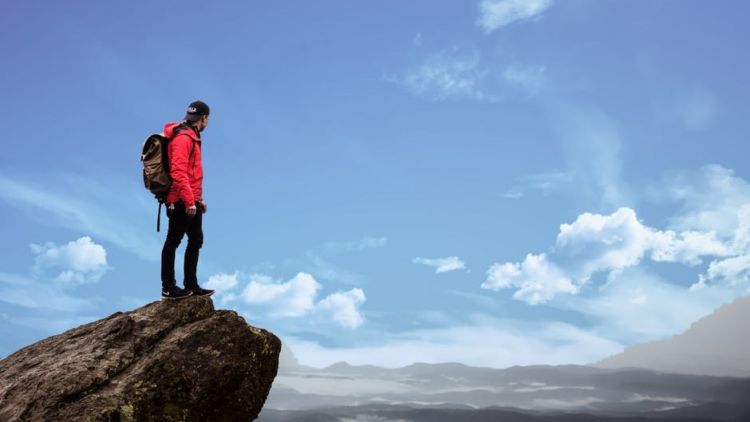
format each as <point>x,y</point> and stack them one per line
<point>176,298</point>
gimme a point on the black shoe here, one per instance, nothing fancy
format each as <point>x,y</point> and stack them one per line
<point>175,292</point>
<point>199,291</point>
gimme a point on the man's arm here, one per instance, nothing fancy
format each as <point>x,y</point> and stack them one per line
<point>179,162</point>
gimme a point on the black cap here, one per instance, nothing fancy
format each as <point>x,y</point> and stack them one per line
<point>195,110</point>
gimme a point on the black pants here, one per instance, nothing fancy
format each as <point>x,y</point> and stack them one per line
<point>180,223</point>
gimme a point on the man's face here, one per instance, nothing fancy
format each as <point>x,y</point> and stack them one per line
<point>202,123</point>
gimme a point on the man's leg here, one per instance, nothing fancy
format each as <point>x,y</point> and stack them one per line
<point>177,227</point>
<point>192,251</point>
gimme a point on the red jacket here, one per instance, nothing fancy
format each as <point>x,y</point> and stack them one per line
<point>185,166</point>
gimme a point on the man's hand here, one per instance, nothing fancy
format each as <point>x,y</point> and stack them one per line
<point>205,207</point>
<point>191,210</point>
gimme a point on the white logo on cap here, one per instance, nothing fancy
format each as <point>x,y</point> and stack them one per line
<point>192,110</point>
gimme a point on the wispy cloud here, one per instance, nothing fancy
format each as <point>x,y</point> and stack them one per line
<point>694,109</point>
<point>51,281</point>
<point>330,249</point>
<point>442,265</point>
<point>638,306</point>
<point>417,41</point>
<point>27,292</point>
<point>710,200</point>
<point>591,145</point>
<point>494,14</point>
<point>698,110</point>
<point>84,205</point>
<point>529,78</point>
<point>446,75</point>
<point>513,343</point>
<point>542,182</point>
<point>319,260</point>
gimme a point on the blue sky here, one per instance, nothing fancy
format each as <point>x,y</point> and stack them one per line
<point>492,182</point>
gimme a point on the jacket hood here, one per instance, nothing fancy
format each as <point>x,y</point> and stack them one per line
<point>169,129</point>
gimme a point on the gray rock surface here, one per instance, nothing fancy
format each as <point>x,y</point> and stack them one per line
<point>169,360</point>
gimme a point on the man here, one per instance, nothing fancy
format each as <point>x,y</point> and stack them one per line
<point>185,205</point>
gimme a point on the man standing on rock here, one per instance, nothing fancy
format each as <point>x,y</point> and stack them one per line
<point>185,205</point>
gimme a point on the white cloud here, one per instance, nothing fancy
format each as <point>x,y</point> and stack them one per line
<point>530,78</point>
<point>441,265</point>
<point>343,306</point>
<point>494,14</point>
<point>78,262</point>
<point>596,243</point>
<point>222,282</point>
<point>294,298</point>
<point>536,279</point>
<point>448,74</point>
<point>732,270</point>
<point>340,248</point>
<point>543,182</point>
<point>715,201</point>
<point>686,247</point>
<point>513,193</point>
<point>712,200</point>
<point>617,241</point>
<point>713,223</point>
<point>56,271</point>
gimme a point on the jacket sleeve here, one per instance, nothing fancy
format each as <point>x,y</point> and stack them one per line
<point>179,165</point>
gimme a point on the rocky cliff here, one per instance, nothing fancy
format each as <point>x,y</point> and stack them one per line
<point>170,360</point>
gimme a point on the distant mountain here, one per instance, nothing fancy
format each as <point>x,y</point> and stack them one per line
<point>416,414</point>
<point>702,374</point>
<point>303,393</point>
<point>718,344</point>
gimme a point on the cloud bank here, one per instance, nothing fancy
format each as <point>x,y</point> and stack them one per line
<point>596,243</point>
<point>712,224</point>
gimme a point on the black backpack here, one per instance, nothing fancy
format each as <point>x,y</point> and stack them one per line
<point>155,158</point>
